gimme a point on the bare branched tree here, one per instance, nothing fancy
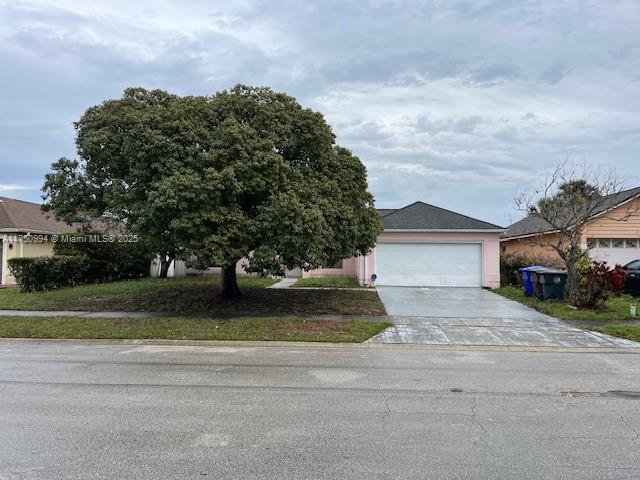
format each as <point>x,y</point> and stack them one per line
<point>569,199</point>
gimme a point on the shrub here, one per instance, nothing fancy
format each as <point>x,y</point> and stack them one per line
<point>511,262</point>
<point>76,262</point>
<point>598,282</point>
<point>107,261</point>
<point>48,273</point>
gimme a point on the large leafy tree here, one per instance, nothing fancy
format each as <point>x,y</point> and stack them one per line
<point>246,173</point>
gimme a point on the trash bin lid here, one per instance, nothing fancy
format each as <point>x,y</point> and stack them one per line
<point>553,271</point>
<point>533,268</point>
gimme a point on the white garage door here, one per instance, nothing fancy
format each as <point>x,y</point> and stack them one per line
<point>429,264</point>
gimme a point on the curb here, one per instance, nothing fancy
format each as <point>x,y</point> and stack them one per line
<point>320,345</point>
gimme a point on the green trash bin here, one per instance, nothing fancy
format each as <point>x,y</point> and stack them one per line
<point>552,283</point>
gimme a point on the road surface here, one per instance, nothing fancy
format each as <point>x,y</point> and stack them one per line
<point>92,410</point>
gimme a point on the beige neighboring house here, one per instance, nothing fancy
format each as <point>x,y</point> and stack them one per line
<point>612,234</point>
<point>18,219</point>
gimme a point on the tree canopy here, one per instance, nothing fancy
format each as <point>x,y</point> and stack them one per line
<point>245,173</point>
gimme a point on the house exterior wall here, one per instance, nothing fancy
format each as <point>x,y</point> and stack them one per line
<point>615,225</point>
<point>532,247</point>
<point>615,237</point>
<point>365,266</point>
<point>349,268</point>
<point>19,249</point>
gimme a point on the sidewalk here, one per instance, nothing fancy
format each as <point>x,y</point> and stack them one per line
<point>284,283</point>
<point>84,314</point>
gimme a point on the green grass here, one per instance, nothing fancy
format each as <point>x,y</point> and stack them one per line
<point>197,295</point>
<point>328,282</point>
<point>184,328</point>
<point>625,331</point>
<point>615,310</point>
<point>12,298</point>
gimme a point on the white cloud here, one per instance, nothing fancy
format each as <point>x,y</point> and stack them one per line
<point>10,187</point>
<point>457,103</point>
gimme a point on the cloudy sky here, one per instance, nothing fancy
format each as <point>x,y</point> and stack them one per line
<point>457,103</point>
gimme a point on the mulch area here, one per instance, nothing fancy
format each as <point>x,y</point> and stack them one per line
<point>206,299</point>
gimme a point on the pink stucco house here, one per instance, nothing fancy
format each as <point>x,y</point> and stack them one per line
<point>424,245</point>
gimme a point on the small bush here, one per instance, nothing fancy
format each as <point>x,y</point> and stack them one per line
<point>598,282</point>
<point>107,261</point>
<point>511,262</point>
<point>79,262</point>
<point>48,273</point>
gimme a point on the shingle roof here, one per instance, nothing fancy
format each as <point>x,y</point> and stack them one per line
<point>422,216</point>
<point>18,215</point>
<point>533,224</point>
<point>383,212</point>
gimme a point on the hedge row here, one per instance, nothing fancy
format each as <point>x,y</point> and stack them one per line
<point>511,262</point>
<point>77,263</point>
<point>48,273</point>
<point>108,262</point>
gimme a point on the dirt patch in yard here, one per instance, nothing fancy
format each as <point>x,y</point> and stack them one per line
<point>206,299</point>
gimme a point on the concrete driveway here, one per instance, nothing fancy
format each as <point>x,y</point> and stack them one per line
<point>474,316</point>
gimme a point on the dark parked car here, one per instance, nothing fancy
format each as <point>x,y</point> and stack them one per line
<point>632,284</point>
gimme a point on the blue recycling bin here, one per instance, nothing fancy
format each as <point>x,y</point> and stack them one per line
<point>525,272</point>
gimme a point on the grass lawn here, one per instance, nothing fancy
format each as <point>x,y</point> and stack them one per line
<point>616,309</point>
<point>184,328</point>
<point>328,282</point>
<point>196,295</point>
<point>624,331</point>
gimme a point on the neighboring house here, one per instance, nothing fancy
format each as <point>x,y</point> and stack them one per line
<point>17,219</point>
<point>612,234</point>
<point>424,245</point>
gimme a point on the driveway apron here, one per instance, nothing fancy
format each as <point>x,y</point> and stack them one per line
<point>475,316</point>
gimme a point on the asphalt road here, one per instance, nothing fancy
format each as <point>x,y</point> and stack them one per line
<point>72,410</point>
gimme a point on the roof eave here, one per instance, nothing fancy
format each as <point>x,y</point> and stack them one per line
<point>528,235</point>
<point>27,230</point>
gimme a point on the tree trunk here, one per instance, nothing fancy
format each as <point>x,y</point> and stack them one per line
<point>165,263</point>
<point>230,288</point>
<point>573,282</point>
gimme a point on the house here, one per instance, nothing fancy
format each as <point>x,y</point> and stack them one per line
<point>25,231</point>
<point>18,219</point>
<point>425,245</point>
<point>612,234</point>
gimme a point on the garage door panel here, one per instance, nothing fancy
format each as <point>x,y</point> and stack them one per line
<point>429,264</point>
